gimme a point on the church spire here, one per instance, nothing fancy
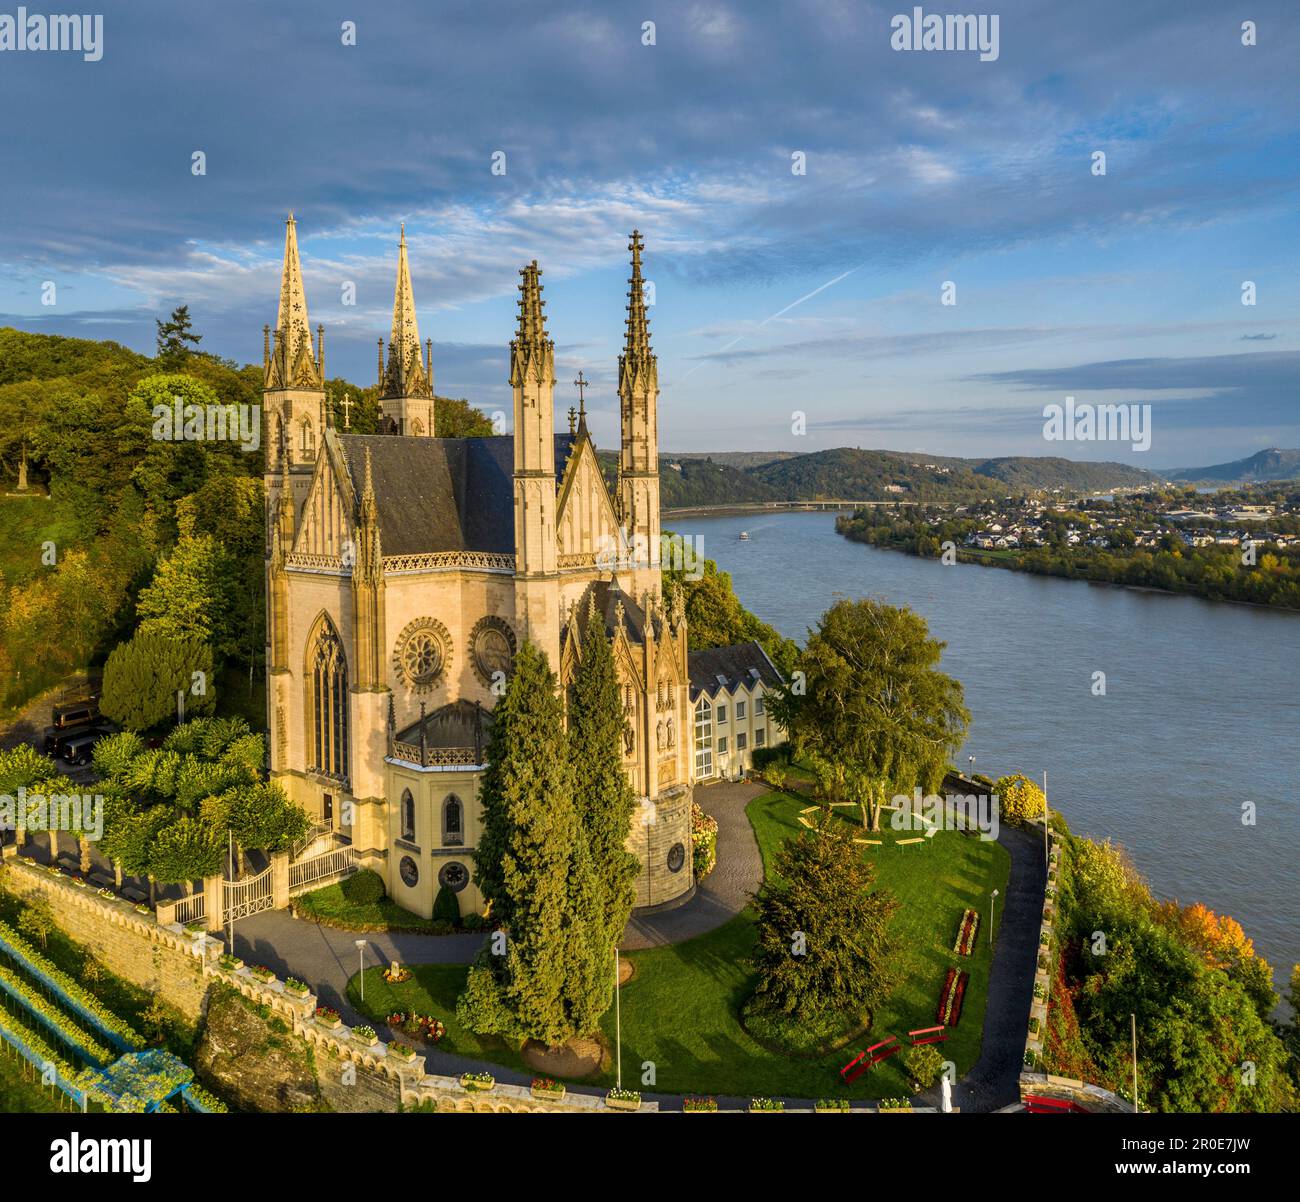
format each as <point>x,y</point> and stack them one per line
<point>406,326</point>
<point>291,321</point>
<point>636,345</point>
<point>293,364</point>
<point>407,383</point>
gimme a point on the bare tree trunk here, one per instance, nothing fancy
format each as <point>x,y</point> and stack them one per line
<point>83,845</point>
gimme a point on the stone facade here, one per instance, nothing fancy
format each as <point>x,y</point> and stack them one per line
<point>403,572</point>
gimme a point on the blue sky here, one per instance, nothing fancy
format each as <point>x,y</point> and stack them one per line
<point>775,292</point>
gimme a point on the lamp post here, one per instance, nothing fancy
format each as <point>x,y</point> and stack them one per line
<point>1134,1020</point>
<point>361,966</point>
<point>618,1024</point>
<point>1047,850</point>
<point>992,899</point>
<point>972,766</point>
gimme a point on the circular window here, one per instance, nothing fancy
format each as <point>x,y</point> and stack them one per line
<point>676,857</point>
<point>410,872</point>
<point>455,876</point>
<point>492,649</point>
<point>422,654</point>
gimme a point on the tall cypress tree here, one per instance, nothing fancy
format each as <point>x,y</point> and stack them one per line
<point>601,789</point>
<point>529,865</point>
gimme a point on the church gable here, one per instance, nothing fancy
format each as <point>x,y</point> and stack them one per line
<point>585,515</point>
<point>326,522</point>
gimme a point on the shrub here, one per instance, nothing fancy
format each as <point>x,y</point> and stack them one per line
<point>924,1064</point>
<point>473,922</point>
<point>764,756</point>
<point>704,841</point>
<point>1019,799</point>
<point>364,888</point>
<point>775,776</point>
<point>446,906</point>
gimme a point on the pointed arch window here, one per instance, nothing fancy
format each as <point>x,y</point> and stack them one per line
<point>308,442</point>
<point>408,815</point>
<point>328,702</point>
<point>453,822</point>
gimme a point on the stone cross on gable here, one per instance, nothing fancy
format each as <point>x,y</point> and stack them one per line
<point>346,405</point>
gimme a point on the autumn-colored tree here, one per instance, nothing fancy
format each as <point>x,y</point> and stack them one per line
<point>1019,799</point>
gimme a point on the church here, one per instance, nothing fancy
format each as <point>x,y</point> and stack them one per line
<point>405,569</point>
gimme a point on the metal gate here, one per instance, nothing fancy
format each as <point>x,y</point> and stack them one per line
<point>242,898</point>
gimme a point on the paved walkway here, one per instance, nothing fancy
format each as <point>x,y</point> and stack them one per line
<point>994,1081</point>
<point>326,958</point>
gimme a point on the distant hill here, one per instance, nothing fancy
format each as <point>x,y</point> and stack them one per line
<point>741,459</point>
<point>1272,464</point>
<point>1049,471</point>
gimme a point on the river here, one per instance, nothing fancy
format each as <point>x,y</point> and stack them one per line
<point>1199,716</point>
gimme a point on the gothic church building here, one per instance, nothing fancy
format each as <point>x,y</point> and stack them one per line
<point>404,569</point>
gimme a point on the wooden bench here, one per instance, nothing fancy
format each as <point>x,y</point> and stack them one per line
<point>1040,1104</point>
<point>905,842</point>
<point>872,1056</point>
<point>931,1034</point>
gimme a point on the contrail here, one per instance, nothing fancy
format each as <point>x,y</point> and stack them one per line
<point>780,313</point>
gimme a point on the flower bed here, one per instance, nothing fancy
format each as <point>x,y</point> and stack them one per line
<point>766,1106</point>
<point>547,1089</point>
<point>704,841</point>
<point>697,1105</point>
<point>894,1106</point>
<point>261,973</point>
<point>417,1026</point>
<point>950,997</point>
<point>832,1106</point>
<point>396,974</point>
<point>403,1051</point>
<point>623,1099</point>
<point>297,988</point>
<point>365,1035</point>
<point>328,1018</point>
<point>970,924</point>
<point>477,1082</point>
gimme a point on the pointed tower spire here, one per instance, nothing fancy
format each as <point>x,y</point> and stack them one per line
<point>293,363</point>
<point>638,398</point>
<point>407,383</point>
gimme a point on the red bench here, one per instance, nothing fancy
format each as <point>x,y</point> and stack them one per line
<point>1038,1104</point>
<point>872,1056</point>
<point>932,1035</point>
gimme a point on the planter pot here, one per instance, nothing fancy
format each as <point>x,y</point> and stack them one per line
<point>400,1055</point>
<point>262,980</point>
<point>623,1103</point>
<point>330,1024</point>
<point>548,1095</point>
<point>366,1041</point>
<point>234,965</point>
<point>751,1110</point>
<point>298,993</point>
<point>829,1110</point>
<point>472,1086</point>
<point>896,1110</point>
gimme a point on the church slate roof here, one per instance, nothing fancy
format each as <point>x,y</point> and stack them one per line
<point>442,494</point>
<point>716,668</point>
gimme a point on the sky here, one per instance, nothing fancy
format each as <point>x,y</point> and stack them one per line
<point>792,309</point>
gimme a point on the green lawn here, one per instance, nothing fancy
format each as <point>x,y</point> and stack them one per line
<point>680,1011</point>
<point>330,906</point>
<point>20,1089</point>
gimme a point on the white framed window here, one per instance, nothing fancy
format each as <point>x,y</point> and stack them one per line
<point>721,711</point>
<point>758,705</point>
<point>742,741</point>
<point>740,711</point>
<point>760,737</point>
<point>703,740</point>
<point>722,745</point>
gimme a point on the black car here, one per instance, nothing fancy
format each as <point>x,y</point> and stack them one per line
<point>78,747</point>
<point>70,718</point>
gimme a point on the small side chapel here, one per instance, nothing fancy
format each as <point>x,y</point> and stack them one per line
<point>404,570</point>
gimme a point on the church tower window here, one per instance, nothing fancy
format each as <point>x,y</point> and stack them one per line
<point>329,702</point>
<point>308,443</point>
<point>408,815</point>
<point>453,831</point>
